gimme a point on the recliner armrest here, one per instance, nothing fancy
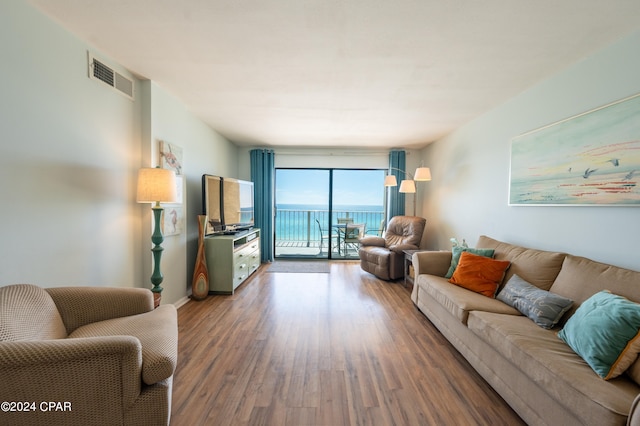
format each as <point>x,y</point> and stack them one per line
<point>399,248</point>
<point>372,241</point>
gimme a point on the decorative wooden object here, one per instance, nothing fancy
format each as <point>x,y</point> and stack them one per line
<point>200,284</point>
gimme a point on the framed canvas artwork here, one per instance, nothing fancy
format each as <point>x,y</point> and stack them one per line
<point>590,159</point>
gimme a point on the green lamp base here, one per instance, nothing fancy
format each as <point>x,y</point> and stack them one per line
<point>157,239</point>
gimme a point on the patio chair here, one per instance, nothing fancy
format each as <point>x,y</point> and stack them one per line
<point>352,235</point>
<point>323,237</point>
<point>376,232</point>
<point>341,231</point>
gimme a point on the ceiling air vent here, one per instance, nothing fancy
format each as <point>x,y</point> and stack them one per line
<point>99,71</point>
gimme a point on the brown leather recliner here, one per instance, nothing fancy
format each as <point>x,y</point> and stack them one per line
<point>383,257</point>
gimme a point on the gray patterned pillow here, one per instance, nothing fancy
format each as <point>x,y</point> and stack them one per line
<point>542,307</point>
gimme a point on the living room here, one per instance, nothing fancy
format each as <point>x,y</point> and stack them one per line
<point>71,149</point>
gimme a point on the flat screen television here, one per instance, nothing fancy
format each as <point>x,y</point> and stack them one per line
<point>228,204</point>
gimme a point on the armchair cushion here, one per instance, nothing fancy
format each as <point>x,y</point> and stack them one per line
<point>157,331</point>
<point>79,306</point>
<point>27,312</point>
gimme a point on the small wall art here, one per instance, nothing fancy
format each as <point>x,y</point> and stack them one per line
<point>173,215</point>
<point>172,220</point>
<point>589,159</point>
<point>171,157</point>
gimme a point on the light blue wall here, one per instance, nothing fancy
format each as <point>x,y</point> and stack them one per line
<point>204,152</point>
<point>468,194</point>
<point>70,149</point>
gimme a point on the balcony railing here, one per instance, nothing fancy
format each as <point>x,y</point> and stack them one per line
<point>305,228</point>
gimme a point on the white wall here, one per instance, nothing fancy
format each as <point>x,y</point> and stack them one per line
<point>69,147</point>
<point>468,194</point>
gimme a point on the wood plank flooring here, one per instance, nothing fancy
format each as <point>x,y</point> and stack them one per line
<point>334,349</point>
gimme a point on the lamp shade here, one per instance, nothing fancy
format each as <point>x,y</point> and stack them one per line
<point>422,174</point>
<point>156,186</point>
<point>390,180</point>
<point>407,186</point>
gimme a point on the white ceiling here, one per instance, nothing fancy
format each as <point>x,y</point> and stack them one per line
<point>349,73</point>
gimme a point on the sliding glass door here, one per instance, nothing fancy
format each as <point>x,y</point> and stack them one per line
<point>357,208</point>
<point>302,213</point>
<point>321,213</point>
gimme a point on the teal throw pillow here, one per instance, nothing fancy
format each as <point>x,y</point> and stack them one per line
<point>457,251</point>
<point>542,307</point>
<point>604,332</point>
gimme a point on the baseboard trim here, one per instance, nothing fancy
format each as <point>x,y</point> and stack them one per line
<point>181,302</point>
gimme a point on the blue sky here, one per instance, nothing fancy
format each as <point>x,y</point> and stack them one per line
<point>351,187</point>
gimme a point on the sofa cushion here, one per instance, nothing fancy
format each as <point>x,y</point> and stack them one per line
<point>157,332</point>
<point>27,312</point>
<point>479,274</point>
<point>456,252</point>
<point>554,367</point>
<point>604,332</point>
<point>581,278</point>
<point>460,301</point>
<point>537,267</point>
<point>542,307</point>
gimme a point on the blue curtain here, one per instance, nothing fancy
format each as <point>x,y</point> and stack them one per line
<point>397,164</point>
<point>263,177</point>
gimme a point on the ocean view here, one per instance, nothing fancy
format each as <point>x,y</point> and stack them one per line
<point>299,222</point>
<point>337,208</point>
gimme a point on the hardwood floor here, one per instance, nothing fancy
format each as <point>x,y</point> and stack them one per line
<point>342,348</point>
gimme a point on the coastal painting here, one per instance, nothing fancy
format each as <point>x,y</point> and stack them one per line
<point>590,159</point>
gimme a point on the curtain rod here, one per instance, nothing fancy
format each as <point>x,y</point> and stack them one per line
<point>330,153</point>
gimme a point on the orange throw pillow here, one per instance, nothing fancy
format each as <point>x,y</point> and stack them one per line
<point>479,274</point>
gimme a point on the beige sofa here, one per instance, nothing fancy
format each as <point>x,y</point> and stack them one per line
<point>85,356</point>
<point>535,372</point>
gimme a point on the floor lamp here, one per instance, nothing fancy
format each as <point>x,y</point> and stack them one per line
<point>157,186</point>
<point>408,186</point>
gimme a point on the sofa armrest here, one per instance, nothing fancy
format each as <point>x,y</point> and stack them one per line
<point>97,376</point>
<point>372,241</point>
<point>431,262</point>
<point>634,413</point>
<point>79,306</point>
